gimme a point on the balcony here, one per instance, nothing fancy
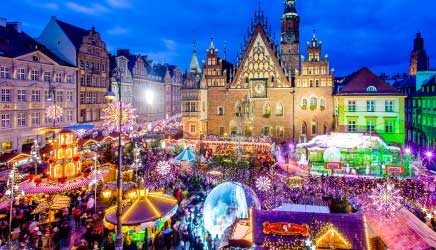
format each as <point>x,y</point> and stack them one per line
<point>191,114</point>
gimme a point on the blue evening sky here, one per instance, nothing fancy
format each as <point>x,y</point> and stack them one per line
<point>355,33</point>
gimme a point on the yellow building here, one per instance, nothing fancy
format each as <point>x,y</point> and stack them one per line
<point>368,104</point>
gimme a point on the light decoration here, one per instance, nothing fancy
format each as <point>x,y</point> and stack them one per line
<point>81,133</point>
<point>111,117</point>
<point>54,112</point>
<point>163,168</point>
<point>263,183</point>
<point>385,199</point>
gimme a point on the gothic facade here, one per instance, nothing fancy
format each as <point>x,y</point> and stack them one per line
<point>269,91</point>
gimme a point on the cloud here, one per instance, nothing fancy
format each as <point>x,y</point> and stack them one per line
<point>170,44</point>
<point>94,9</point>
<point>117,30</point>
<point>50,6</point>
<point>120,4</point>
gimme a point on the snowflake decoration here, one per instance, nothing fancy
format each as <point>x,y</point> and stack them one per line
<point>163,168</point>
<point>81,133</point>
<point>111,117</point>
<point>385,199</point>
<point>263,184</point>
<point>54,112</point>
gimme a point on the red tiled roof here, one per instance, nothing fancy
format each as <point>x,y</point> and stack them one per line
<point>358,82</point>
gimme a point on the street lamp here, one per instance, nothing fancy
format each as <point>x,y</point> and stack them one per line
<point>11,191</point>
<point>36,157</point>
<point>293,115</point>
<point>109,96</point>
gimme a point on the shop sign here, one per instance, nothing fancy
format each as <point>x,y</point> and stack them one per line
<point>333,165</point>
<point>285,229</point>
<point>395,169</point>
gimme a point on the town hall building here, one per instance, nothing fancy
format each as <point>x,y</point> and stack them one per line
<point>271,90</point>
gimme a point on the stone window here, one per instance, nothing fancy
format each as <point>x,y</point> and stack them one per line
<point>220,111</point>
<point>34,75</point>
<point>21,119</point>
<point>279,109</point>
<point>21,95</point>
<point>389,106</point>
<point>21,74</point>
<point>351,126</point>
<point>4,72</point>
<point>303,128</point>
<point>267,110</point>
<point>314,127</point>
<point>6,120</point>
<point>389,127</point>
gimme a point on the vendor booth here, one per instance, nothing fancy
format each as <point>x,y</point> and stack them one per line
<point>149,213</point>
<point>351,153</point>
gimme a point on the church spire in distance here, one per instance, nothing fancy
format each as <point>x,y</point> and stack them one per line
<point>194,66</point>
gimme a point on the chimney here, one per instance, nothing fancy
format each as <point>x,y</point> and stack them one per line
<point>16,26</point>
<point>123,52</point>
<point>2,22</point>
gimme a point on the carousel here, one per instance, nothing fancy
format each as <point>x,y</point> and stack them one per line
<point>148,213</point>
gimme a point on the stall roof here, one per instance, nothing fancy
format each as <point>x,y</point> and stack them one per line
<point>13,157</point>
<point>402,231</point>
<point>351,226</point>
<point>303,208</point>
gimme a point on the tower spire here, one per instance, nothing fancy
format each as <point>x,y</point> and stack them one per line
<point>225,49</point>
<point>212,46</point>
<point>194,66</point>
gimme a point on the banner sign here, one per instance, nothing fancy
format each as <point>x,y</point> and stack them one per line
<point>333,165</point>
<point>395,169</point>
<point>285,229</point>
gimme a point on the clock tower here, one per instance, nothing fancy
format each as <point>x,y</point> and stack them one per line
<point>290,38</point>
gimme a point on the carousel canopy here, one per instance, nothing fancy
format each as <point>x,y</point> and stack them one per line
<point>151,207</point>
<point>186,155</point>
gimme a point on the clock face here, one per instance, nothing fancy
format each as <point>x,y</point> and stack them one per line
<point>290,37</point>
<point>259,88</point>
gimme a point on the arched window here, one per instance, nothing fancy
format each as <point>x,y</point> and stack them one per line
<point>311,83</point>
<point>313,103</point>
<point>371,89</point>
<point>279,109</point>
<point>238,109</point>
<point>322,103</point>
<point>314,127</point>
<point>325,129</point>
<point>220,111</point>
<point>317,83</point>
<point>304,103</point>
<point>266,110</point>
<point>304,128</point>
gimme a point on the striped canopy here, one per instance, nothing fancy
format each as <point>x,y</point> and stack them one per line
<point>186,155</point>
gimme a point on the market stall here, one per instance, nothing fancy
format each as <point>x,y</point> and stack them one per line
<point>350,153</point>
<point>147,214</point>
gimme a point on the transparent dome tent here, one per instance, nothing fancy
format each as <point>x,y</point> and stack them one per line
<point>226,203</point>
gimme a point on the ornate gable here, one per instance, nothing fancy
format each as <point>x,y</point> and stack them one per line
<point>260,61</point>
